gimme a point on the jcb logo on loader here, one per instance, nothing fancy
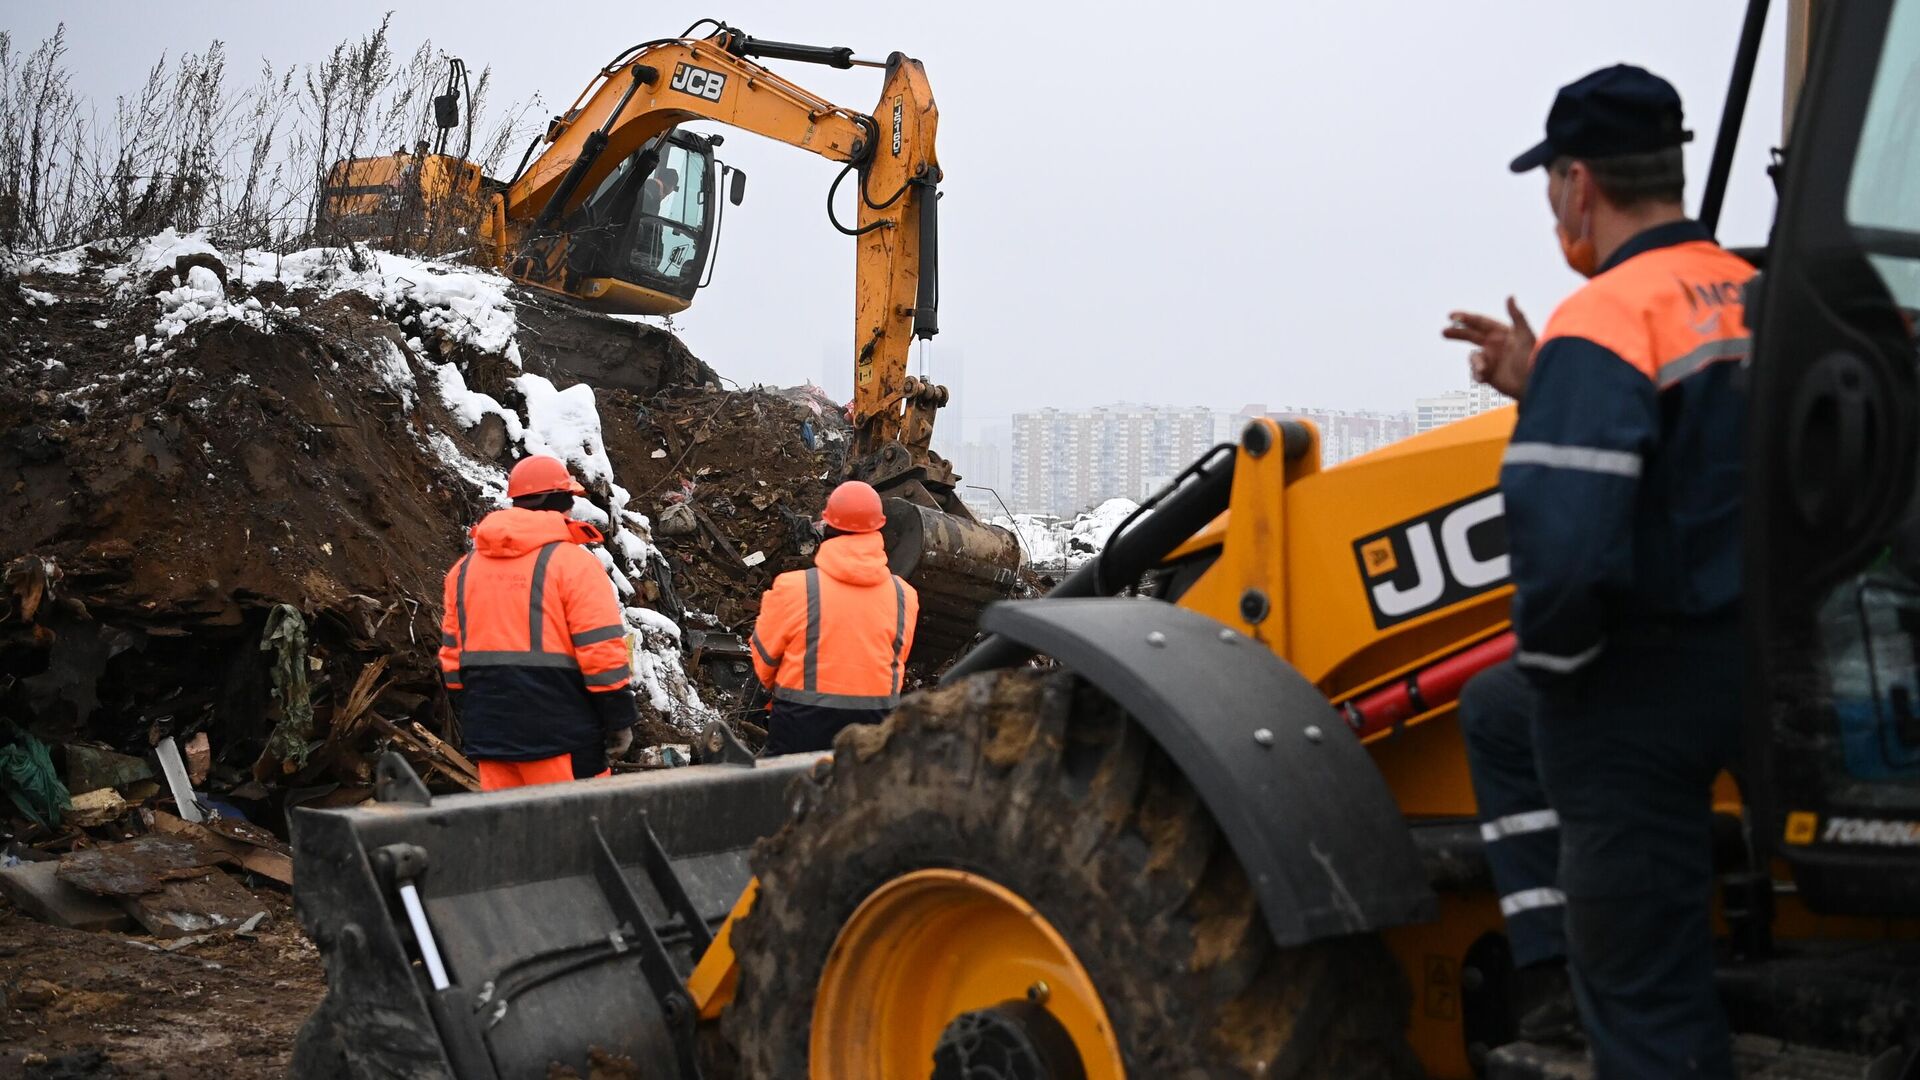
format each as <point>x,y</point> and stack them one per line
<point>1436,559</point>
<point>698,81</point>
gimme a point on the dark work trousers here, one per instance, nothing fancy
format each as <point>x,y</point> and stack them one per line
<point>1498,711</point>
<point>1629,748</point>
<point>796,729</point>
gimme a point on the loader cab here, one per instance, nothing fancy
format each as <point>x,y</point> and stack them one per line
<point>1833,522</point>
<point>643,241</point>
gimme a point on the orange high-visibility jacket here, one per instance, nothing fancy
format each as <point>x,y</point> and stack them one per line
<point>837,635</point>
<point>533,635</point>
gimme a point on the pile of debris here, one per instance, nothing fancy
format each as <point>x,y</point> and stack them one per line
<point>231,484</point>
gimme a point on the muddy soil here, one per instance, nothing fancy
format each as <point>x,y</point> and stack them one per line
<point>80,1004</point>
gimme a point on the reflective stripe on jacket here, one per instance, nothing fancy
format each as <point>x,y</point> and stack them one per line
<point>837,635</point>
<point>1622,479</point>
<point>532,632</point>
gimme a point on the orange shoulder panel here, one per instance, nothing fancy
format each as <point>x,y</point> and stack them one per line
<point>1603,312</point>
<point>1660,306</point>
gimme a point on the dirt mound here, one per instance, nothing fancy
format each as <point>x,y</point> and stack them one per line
<point>192,446</point>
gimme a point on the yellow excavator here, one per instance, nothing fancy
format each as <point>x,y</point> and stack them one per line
<point>620,210</point>
<point>1226,830</point>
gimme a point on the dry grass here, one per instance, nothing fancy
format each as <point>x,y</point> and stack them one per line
<point>195,147</point>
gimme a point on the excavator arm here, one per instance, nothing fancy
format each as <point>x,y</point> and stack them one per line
<point>650,89</point>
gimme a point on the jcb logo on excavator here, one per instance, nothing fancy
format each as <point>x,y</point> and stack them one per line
<point>1439,558</point>
<point>698,81</point>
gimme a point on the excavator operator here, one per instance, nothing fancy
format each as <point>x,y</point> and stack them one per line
<point>832,642</point>
<point>1622,486</point>
<point>533,646</point>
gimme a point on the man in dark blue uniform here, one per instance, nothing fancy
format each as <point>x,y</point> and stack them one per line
<point>1622,487</point>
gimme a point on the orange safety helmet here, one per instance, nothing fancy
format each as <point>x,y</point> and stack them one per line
<point>854,507</point>
<point>539,475</point>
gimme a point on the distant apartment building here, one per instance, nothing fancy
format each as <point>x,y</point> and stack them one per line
<point>1344,433</point>
<point>1064,461</point>
<point>1442,409</point>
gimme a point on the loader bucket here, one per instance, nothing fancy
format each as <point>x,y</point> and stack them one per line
<point>957,565</point>
<point>493,935</point>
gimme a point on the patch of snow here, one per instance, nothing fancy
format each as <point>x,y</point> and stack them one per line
<point>68,262</point>
<point>658,675</point>
<point>566,425</point>
<point>620,579</point>
<point>636,549</point>
<point>38,298</point>
<point>1055,544</point>
<point>470,406</point>
<point>158,252</point>
<point>391,365</point>
<point>462,304</point>
<point>491,481</point>
<point>653,620</point>
<point>584,510</point>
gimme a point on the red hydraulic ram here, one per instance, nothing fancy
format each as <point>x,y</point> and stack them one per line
<point>1422,691</point>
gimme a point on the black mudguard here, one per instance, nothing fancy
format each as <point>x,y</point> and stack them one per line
<point>1310,818</point>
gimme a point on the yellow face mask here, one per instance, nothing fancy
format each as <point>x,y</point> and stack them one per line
<point>1578,251</point>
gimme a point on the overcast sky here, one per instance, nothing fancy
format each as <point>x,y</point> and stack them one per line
<point>1192,203</point>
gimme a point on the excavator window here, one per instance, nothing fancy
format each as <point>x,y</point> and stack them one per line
<point>673,211</point>
<point>649,221</point>
<point>1883,199</point>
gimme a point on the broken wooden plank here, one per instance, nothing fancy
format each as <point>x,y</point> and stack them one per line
<point>252,847</point>
<point>433,758</point>
<point>459,759</point>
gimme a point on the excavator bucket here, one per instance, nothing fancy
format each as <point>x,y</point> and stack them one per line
<point>496,935</point>
<point>957,565</point>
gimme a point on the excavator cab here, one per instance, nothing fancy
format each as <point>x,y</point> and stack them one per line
<point>644,239</point>
<point>1834,536</point>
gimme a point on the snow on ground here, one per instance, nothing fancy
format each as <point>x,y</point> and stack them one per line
<point>566,425</point>
<point>491,480</point>
<point>469,407</point>
<point>460,303</point>
<point>156,252</point>
<point>1051,543</point>
<point>392,367</point>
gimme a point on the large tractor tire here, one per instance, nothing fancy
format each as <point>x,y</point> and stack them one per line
<point>1013,840</point>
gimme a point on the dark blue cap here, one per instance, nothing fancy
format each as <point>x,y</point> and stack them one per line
<point>1614,111</point>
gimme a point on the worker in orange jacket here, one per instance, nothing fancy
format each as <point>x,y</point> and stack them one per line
<point>533,646</point>
<point>832,642</point>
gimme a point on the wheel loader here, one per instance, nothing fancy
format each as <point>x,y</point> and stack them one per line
<point>1223,825</point>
